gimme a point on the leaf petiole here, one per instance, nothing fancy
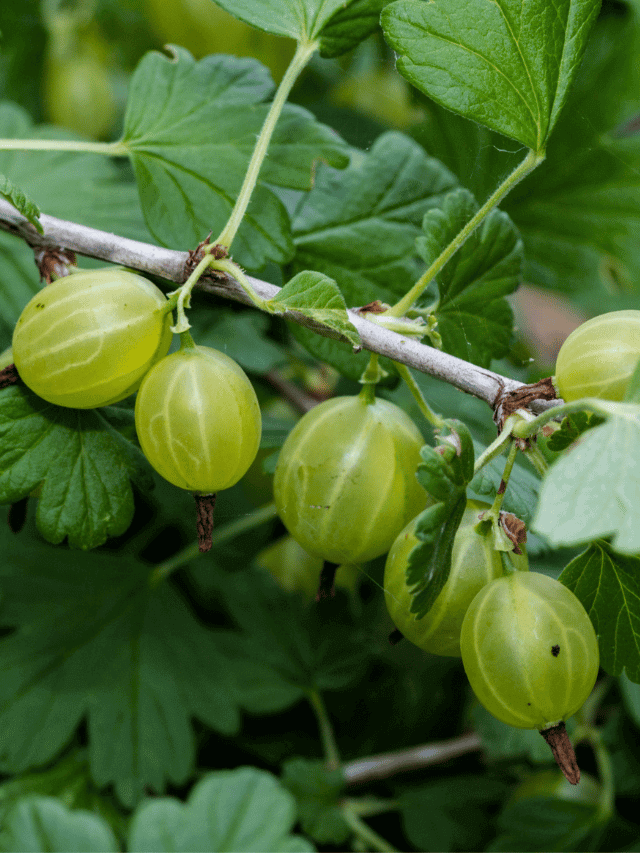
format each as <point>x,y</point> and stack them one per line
<point>530,162</point>
<point>301,57</point>
<point>233,270</point>
<point>407,377</point>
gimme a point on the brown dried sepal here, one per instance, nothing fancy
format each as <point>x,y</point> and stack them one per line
<point>9,376</point>
<point>327,585</point>
<point>562,749</point>
<point>522,398</point>
<point>205,505</point>
<point>515,529</point>
<point>53,261</point>
<point>375,307</point>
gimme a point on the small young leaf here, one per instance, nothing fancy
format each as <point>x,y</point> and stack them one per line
<point>190,129</point>
<point>318,297</point>
<point>44,823</point>
<point>83,464</point>
<point>608,585</point>
<point>474,320</point>
<point>359,227</point>
<point>571,428</point>
<point>318,792</point>
<point>21,201</point>
<point>592,490</point>
<point>445,472</point>
<point>506,64</point>
<point>241,810</point>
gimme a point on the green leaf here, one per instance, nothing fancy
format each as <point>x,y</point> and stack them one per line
<point>21,202</point>
<point>359,226</point>
<point>71,185</point>
<point>284,650</point>
<point>608,585</point>
<point>241,335</point>
<point>302,20</point>
<point>317,297</point>
<point>318,792</point>
<point>93,638</point>
<point>592,490</point>
<point>229,811</point>
<point>474,320</point>
<point>504,64</point>
<point>545,823</point>
<point>444,473</point>
<point>450,814</point>
<point>46,824</point>
<point>350,25</point>
<point>571,428</point>
<point>83,464</point>
<point>190,129</point>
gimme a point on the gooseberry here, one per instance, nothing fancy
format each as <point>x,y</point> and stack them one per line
<point>599,357</point>
<point>474,562</point>
<point>87,339</point>
<point>198,419</point>
<point>529,650</point>
<point>345,482</point>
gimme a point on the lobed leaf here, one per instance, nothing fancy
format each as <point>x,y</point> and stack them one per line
<point>82,464</point>
<point>571,428</point>
<point>238,811</point>
<point>302,20</point>
<point>608,585</point>
<point>475,322</point>
<point>506,64</point>
<point>317,297</point>
<point>45,823</point>
<point>592,490</point>
<point>190,130</point>
<point>349,26</point>
<point>93,639</point>
<point>358,227</point>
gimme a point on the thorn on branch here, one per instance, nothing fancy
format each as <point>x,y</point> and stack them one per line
<point>197,254</point>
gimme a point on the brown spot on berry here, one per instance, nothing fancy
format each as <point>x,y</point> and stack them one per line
<point>555,651</point>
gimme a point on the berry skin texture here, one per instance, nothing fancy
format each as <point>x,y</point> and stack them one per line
<point>599,357</point>
<point>474,563</point>
<point>529,650</point>
<point>198,420</point>
<point>345,483</point>
<point>87,339</point>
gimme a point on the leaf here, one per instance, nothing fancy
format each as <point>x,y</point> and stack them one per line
<point>240,335</point>
<point>450,814</point>
<point>21,202</point>
<point>608,585</point>
<point>71,185</point>
<point>592,490</point>
<point>302,20</point>
<point>501,741</point>
<point>546,823</point>
<point>284,650</point>
<point>359,226</point>
<point>83,464</point>
<point>318,792</point>
<point>349,26</point>
<point>571,428</point>
<point>318,297</point>
<point>190,130</point>
<point>230,810</point>
<point>505,64</point>
<point>474,320</point>
<point>44,823</point>
<point>93,639</point>
<point>444,473</point>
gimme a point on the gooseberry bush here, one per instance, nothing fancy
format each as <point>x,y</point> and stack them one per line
<point>361,278</point>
